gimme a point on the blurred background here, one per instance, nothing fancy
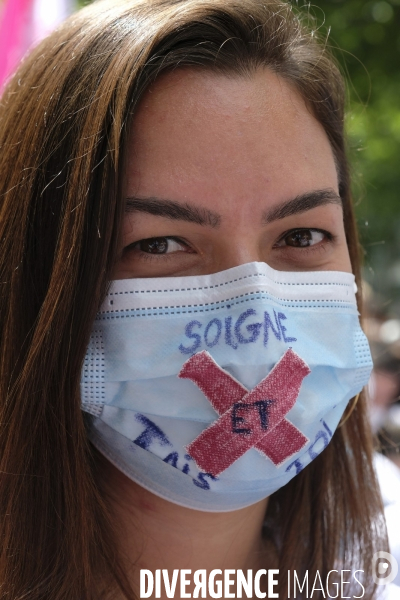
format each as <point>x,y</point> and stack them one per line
<point>365,38</point>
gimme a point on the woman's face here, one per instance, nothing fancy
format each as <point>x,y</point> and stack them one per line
<point>228,170</point>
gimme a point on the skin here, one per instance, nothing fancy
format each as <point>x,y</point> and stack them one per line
<point>238,151</point>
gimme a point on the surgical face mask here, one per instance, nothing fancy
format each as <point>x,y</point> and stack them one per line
<point>213,391</point>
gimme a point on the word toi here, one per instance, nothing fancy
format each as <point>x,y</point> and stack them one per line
<point>247,329</point>
<point>217,584</point>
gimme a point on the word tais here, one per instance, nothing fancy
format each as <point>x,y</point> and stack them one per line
<point>248,328</point>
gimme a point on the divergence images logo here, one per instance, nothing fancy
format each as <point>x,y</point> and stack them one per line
<point>384,568</point>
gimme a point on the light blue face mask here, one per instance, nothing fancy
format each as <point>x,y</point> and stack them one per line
<point>214,391</point>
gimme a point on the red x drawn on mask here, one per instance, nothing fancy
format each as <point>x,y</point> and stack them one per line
<point>248,419</point>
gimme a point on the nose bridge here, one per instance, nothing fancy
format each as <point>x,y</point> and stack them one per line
<point>239,245</point>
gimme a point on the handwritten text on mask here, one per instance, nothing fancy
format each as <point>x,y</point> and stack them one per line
<point>246,329</point>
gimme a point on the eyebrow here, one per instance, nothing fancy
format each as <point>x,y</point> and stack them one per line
<point>175,211</point>
<point>302,203</point>
<point>191,213</point>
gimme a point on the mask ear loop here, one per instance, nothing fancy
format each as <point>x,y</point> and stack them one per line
<point>343,420</point>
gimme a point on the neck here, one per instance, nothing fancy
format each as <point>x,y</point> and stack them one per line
<point>153,533</point>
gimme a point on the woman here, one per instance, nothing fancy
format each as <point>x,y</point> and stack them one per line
<point>157,139</point>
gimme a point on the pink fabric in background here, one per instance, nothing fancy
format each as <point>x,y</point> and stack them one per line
<point>23,23</point>
<point>14,35</point>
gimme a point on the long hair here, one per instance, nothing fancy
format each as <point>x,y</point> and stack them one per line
<point>63,126</point>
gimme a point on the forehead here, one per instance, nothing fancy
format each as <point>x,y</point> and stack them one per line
<point>198,133</point>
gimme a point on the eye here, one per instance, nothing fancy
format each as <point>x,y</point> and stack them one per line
<point>159,245</point>
<point>303,238</point>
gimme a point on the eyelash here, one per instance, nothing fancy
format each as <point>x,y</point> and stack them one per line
<point>329,237</point>
<point>148,256</point>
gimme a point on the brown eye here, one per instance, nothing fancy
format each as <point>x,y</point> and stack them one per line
<point>302,238</point>
<point>159,245</point>
<point>154,245</point>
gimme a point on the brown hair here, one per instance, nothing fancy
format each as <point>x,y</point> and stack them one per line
<point>63,122</point>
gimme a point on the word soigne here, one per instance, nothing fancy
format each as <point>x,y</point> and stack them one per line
<point>245,330</point>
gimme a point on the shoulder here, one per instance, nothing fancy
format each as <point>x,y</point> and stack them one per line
<point>389,479</point>
<point>388,592</point>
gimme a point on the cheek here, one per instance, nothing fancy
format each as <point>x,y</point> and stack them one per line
<point>343,254</point>
<point>342,258</point>
<point>346,261</point>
